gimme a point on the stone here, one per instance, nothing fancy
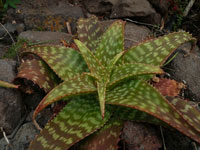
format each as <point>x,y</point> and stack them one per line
<point>139,9</point>
<point>99,6</point>
<point>10,99</point>
<point>133,33</point>
<point>174,140</point>
<point>20,28</point>
<point>185,68</point>
<point>45,36</point>
<point>11,28</point>
<point>140,136</point>
<point>22,139</point>
<point>47,15</point>
<point>3,49</point>
<point>161,6</point>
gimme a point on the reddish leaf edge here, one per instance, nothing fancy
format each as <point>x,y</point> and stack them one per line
<point>195,138</point>
<point>40,106</point>
<point>193,40</point>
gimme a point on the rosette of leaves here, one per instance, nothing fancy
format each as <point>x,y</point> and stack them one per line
<point>105,84</point>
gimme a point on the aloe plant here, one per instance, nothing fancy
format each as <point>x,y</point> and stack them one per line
<point>104,85</point>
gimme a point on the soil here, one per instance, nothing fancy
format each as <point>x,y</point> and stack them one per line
<point>35,22</point>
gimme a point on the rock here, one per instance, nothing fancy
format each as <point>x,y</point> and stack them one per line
<point>20,28</point>
<point>186,68</point>
<point>7,70</point>
<point>47,15</point>
<point>140,136</point>
<point>160,6</point>
<point>99,6</point>
<point>139,9</point>
<point>133,33</point>
<point>174,140</point>
<point>22,139</point>
<point>11,28</point>
<point>10,99</point>
<point>3,49</point>
<point>45,36</point>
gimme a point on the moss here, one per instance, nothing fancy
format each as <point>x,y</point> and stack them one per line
<point>13,50</point>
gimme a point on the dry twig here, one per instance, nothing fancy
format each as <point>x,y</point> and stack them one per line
<point>8,33</point>
<point>188,7</point>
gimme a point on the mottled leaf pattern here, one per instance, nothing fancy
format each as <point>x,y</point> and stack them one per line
<point>66,62</point>
<point>110,66</point>
<point>7,85</point>
<point>93,64</point>
<point>78,119</point>
<point>101,88</point>
<point>187,111</point>
<point>38,72</point>
<point>106,138</point>
<point>111,43</point>
<point>139,95</point>
<point>156,51</point>
<point>89,32</point>
<point>126,71</point>
<point>101,55</point>
<point>82,84</point>
<point>126,113</point>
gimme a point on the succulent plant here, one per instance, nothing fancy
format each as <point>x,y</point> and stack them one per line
<point>103,84</point>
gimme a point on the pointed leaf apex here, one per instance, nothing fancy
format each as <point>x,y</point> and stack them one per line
<point>8,85</point>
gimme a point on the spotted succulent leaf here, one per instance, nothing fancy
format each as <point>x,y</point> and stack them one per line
<point>78,119</point>
<point>126,113</point>
<point>137,94</point>
<point>64,61</point>
<point>156,51</point>
<point>82,117</point>
<point>106,138</point>
<point>101,88</point>
<point>38,72</point>
<point>89,32</point>
<point>111,43</point>
<point>111,65</point>
<point>7,85</point>
<point>93,64</point>
<point>187,111</point>
<point>129,70</point>
<point>81,84</point>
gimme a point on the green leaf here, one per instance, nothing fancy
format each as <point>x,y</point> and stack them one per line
<point>126,113</point>
<point>93,64</point>
<point>101,88</point>
<point>110,66</point>
<point>187,111</point>
<point>106,138</point>
<point>38,72</point>
<point>82,84</point>
<point>78,119</point>
<point>111,43</point>
<point>127,71</point>
<point>65,62</point>
<point>11,3</point>
<point>156,51</point>
<point>7,85</point>
<point>89,32</point>
<point>139,95</point>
